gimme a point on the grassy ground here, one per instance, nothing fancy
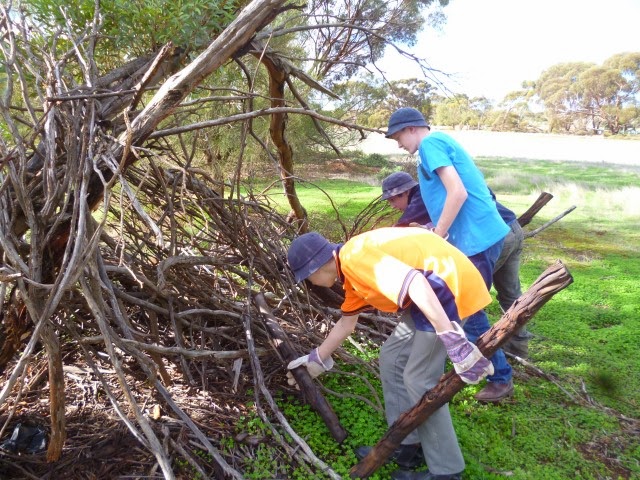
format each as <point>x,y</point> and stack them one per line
<point>585,423</point>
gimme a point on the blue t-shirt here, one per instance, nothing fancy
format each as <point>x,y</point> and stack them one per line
<point>478,224</point>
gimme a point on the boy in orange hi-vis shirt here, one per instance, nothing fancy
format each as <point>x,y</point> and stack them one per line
<point>435,286</point>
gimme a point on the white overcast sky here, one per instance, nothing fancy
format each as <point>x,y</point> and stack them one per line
<point>492,46</point>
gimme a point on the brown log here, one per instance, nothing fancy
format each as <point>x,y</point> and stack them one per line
<point>541,201</point>
<point>552,280</point>
<point>310,391</point>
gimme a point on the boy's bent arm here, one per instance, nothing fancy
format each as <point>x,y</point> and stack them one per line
<point>338,334</point>
<point>467,360</point>
<point>456,196</point>
<point>426,300</point>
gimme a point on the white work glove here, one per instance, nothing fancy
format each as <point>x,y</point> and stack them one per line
<point>315,366</point>
<point>429,226</point>
<point>467,360</point>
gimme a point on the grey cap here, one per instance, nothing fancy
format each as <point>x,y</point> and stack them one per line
<point>308,253</point>
<point>405,117</point>
<point>397,183</point>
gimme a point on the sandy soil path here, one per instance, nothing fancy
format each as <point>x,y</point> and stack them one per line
<point>534,146</point>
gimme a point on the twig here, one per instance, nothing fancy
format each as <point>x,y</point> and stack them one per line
<point>549,223</point>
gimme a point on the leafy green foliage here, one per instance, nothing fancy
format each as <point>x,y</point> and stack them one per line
<point>596,94</point>
<point>341,51</point>
<point>372,100</point>
<point>364,424</point>
<point>146,24</point>
<point>373,160</point>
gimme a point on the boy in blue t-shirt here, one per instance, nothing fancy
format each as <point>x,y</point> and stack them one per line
<point>462,209</point>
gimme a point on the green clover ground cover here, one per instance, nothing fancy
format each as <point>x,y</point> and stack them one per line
<point>587,337</point>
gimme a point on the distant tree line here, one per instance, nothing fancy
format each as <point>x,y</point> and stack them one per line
<point>578,98</point>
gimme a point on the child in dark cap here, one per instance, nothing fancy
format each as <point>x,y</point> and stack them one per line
<point>435,286</point>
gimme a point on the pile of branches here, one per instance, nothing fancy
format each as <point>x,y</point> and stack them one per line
<point>128,331</point>
<point>158,334</point>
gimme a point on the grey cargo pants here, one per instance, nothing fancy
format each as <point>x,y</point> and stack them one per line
<point>411,362</point>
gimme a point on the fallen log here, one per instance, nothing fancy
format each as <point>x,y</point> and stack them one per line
<point>310,391</point>
<point>540,202</point>
<point>552,280</point>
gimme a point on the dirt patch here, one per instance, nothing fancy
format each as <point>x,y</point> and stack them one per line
<point>533,146</point>
<point>607,448</point>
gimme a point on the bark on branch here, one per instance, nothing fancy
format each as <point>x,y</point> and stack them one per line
<point>541,201</point>
<point>552,280</point>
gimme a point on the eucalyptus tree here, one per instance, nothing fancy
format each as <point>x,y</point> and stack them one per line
<point>560,90</point>
<point>611,91</point>
<point>346,36</point>
<point>514,112</point>
<point>370,100</point>
<point>455,111</point>
<point>603,97</point>
<point>579,96</point>
<point>482,106</point>
<point>628,64</point>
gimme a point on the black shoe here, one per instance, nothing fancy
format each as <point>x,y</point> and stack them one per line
<point>406,456</point>
<point>411,475</point>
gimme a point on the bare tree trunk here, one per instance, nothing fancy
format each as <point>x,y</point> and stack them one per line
<point>552,280</point>
<point>56,394</point>
<point>277,128</point>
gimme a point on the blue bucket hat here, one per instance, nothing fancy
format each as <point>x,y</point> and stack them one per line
<point>308,253</point>
<point>397,183</point>
<point>405,117</point>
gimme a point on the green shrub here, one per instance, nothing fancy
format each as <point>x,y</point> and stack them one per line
<point>376,160</point>
<point>385,171</point>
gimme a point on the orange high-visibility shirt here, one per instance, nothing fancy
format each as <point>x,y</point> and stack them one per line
<point>376,268</point>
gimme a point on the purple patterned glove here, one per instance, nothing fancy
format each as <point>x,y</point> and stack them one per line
<point>465,356</point>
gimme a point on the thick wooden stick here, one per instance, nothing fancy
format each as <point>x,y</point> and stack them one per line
<point>552,280</point>
<point>540,202</point>
<point>310,391</point>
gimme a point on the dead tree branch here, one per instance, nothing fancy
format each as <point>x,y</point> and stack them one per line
<point>533,233</point>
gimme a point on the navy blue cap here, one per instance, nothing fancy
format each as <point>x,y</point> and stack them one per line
<point>308,253</point>
<point>405,117</point>
<point>397,183</point>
